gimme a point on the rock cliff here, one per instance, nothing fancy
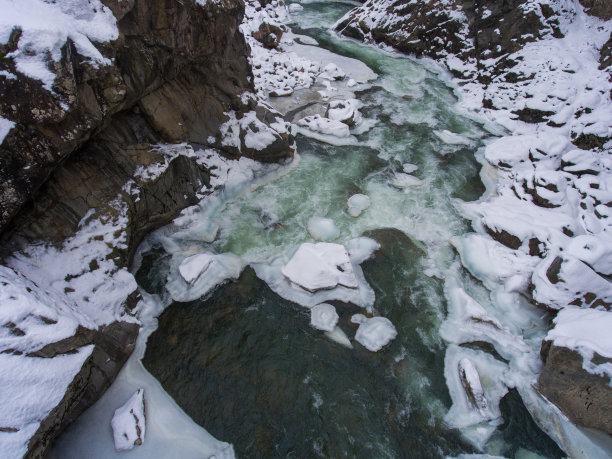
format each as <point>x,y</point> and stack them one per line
<point>93,161</point>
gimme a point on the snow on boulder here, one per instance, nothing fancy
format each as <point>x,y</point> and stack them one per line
<point>375,333</point>
<point>470,379</point>
<point>323,317</point>
<point>596,251</point>
<point>332,72</point>
<point>129,422</point>
<point>559,281</point>
<point>344,111</point>
<point>193,267</point>
<point>326,126</point>
<point>510,151</point>
<point>322,229</point>
<point>357,204</point>
<point>320,266</point>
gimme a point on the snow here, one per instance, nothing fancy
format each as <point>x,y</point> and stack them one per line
<point>375,333</point>
<point>46,26</point>
<point>31,388</point>
<point>5,127</point>
<point>323,317</point>
<point>129,424</point>
<point>322,229</point>
<point>344,111</point>
<point>586,331</point>
<point>357,204</point>
<point>320,125</point>
<point>320,266</point>
<point>194,266</point>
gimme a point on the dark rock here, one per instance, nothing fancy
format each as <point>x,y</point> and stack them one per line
<point>532,115</point>
<point>599,8</point>
<point>589,141</point>
<point>503,236</point>
<point>585,398</point>
<point>268,35</point>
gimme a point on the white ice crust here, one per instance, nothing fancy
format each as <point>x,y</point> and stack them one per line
<point>129,423</point>
<point>323,317</point>
<point>375,333</point>
<point>322,229</point>
<point>357,204</point>
<point>320,266</point>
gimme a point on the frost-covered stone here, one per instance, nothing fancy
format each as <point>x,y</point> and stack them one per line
<point>323,317</point>
<point>357,204</point>
<point>471,383</point>
<point>320,266</point>
<point>129,423</point>
<point>194,266</point>
<point>333,72</point>
<point>375,333</point>
<point>322,229</point>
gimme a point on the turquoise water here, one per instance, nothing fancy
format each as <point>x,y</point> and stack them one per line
<point>245,364</point>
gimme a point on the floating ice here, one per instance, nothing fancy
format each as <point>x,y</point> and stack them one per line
<point>129,424</point>
<point>359,249</point>
<point>322,229</point>
<point>451,138</point>
<point>323,317</point>
<point>294,8</point>
<point>194,266</point>
<point>320,266</point>
<point>375,333</point>
<point>410,168</point>
<point>357,204</point>
<point>402,180</point>
<point>220,268</point>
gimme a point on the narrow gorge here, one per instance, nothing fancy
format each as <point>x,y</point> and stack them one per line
<point>314,229</point>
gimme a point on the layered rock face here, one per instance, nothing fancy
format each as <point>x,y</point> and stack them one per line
<point>543,71</point>
<point>91,164</point>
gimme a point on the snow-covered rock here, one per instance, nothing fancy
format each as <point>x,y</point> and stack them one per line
<point>375,333</point>
<point>129,423</point>
<point>323,317</point>
<point>320,266</point>
<point>344,111</point>
<point>326,126</point>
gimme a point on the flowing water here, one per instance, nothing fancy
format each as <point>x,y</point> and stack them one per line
<point>245,364</point>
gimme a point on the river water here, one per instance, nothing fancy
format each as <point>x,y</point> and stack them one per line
<point>244,362</point>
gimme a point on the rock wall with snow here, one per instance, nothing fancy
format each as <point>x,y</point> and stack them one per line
<point>542,70</point>
<point>114,116</point>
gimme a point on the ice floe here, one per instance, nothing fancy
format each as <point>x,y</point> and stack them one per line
<point>322,229</point>
<point>374,333</point>
<point>357,204</point>
<point>323,317</point>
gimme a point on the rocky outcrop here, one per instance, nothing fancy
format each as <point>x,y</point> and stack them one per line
<point>106,157</point>
<point>583,396</point>
<point>181,63</point>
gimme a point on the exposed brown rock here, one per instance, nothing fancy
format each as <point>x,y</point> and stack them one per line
<point>582,396</point>
<point>600,8</point>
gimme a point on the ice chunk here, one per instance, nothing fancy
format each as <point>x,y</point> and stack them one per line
<point>339,337</point>
<point>323,317</point>
<point>375,333</point>
<point>410,168</point>
<point>294,8</point>
<point>129,422</point>
<point>320,266</point>
<point>402,180</point>
<point>361,248</point>
<point>357,204</point>
<point>322,229</point>
<point>194,266</point>
<point>451,138</point>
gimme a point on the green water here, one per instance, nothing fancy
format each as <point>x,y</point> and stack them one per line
<point>245,363</point>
